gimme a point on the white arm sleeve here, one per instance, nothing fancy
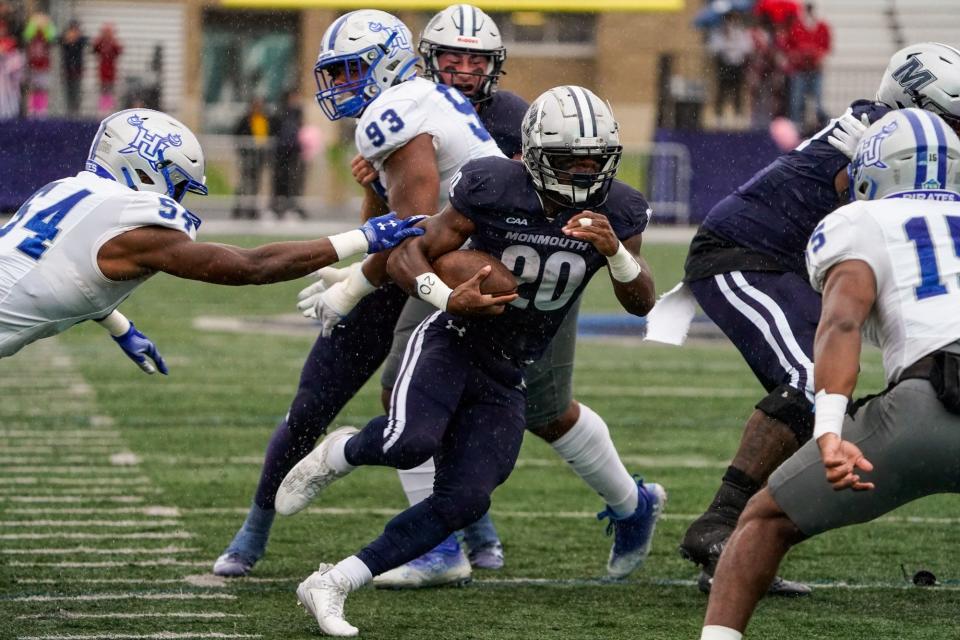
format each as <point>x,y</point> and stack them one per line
<point>386,127</point>
<point>145,208</point>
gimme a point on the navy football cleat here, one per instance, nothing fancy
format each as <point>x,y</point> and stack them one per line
<point>633,534</point>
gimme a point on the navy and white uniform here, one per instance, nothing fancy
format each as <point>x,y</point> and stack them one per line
<point>339,365</point>
<point>746,267</point>
<point>460,395</point>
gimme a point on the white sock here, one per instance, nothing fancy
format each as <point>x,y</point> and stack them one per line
<point>587,448</point>
<point>351,573</point>
<point>418,482</point>
<point>337,457</point>
<point>716,632</point>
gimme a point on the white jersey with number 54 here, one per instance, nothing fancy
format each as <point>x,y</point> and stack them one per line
<point>418,106</point>
<point>913,248</point>
<point>49,278</point>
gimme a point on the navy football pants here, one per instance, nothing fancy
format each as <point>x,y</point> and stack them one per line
<point>771,317</point>
<point>460,404</point>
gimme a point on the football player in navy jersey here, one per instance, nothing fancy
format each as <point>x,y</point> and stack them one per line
<point>578,219</point>
<point>746,270</point>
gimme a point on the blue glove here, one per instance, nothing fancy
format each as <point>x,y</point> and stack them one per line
<point>386,232</point>
<point>138,348</point>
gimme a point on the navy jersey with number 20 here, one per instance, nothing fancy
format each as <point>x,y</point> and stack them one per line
<point>552,269</point>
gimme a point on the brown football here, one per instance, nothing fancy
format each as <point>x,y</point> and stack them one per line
<point>457,267</point>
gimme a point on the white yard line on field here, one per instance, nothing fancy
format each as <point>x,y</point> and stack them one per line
<point>106,524</point>
<point>120,551</point>
<point>66,535</point>
<point>75,482</point>
<point>161,635</point>
<point>159,562</point>
<point>71,499</point>
<point>182,615</point>
<point>128,595</point>
<point>154,510</point>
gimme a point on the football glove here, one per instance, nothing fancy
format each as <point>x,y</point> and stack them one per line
<point>845,137</point>
<point>387,231</point>
<point>330,303</point>
<point>138,348</point>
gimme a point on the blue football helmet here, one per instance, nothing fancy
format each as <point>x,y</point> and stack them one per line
<point>363,53</point>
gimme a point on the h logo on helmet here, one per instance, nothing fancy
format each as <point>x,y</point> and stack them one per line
<point>398,40</point>
<point>870,156</point>
<point>912,75</point>
<point>148,145</point>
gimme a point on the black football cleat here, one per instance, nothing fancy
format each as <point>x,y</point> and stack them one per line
<point>779,587</point>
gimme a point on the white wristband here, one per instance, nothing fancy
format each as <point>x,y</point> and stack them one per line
<point>829,412</point>
<point>116,323</point>
<point>349,243</point>
<point>623,266</point>
<point>430,288</point>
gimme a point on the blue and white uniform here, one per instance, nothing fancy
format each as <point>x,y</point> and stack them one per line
<point>49,278</point>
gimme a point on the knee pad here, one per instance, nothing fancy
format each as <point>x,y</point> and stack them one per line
<point>791,407</point>
<point>462,508</point>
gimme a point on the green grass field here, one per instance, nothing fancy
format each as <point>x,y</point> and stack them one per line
<point>93,549</point>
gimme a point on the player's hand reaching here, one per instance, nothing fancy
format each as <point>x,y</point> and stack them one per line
<point>842,460</point>
<point>334,296</point>
<point>595,229</point>
<point>468,300</point>
<point>387,231</point>
<point>138,348</point>
<point>362,171</point>
<point>846,136</point>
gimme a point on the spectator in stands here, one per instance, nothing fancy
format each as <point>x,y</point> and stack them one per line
<point>806,46</point>
<point>287,158</point>
<point>764,75</point>
<point>11,75</point>
<point>72,44</point>
<point>730,45</point>
<point>38,38</point>
<point>11,19</point>
<point>108,50</point>
<point>254,129</point>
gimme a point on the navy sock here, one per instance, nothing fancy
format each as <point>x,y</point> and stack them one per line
<point>251,539</point>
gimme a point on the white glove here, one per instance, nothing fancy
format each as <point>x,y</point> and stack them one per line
<point>330,304</point>
<point>845,137</point>
<point>326,278</point>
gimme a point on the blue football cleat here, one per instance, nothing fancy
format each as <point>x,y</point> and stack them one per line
<point>633,534</point>
<point>233,564</point>
<point>488,556</point>
<point>444,565</point>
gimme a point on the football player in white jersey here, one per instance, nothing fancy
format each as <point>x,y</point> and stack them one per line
<point>79,246</point>
<point>888,267</point>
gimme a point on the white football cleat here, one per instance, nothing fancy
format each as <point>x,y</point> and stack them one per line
<point>310,476</point>
<point>323,596</point>
<point>444,565</point>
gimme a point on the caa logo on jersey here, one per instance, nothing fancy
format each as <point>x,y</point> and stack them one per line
<point>519,221</point>
<point>871,147</point>
<point>149,145</point>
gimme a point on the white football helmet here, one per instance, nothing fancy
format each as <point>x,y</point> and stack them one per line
<point>148,150</point>
<point>924,75</point>
<point>464,28</point>
<point>908,150</point>
<point>562,125</point>
<point>362,54</point>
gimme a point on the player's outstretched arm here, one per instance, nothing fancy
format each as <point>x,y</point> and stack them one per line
<point>409,266</point>
<point>629,273</point>
<point>146,250</point>
<point>848,296</point>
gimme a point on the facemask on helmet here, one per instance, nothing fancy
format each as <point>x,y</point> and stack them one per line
<point>363,53</point>
<point>906,151</point>
<point>571,146</point>
<point>464,29</point>
<point>927,76</point>
<point>148,150</point>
